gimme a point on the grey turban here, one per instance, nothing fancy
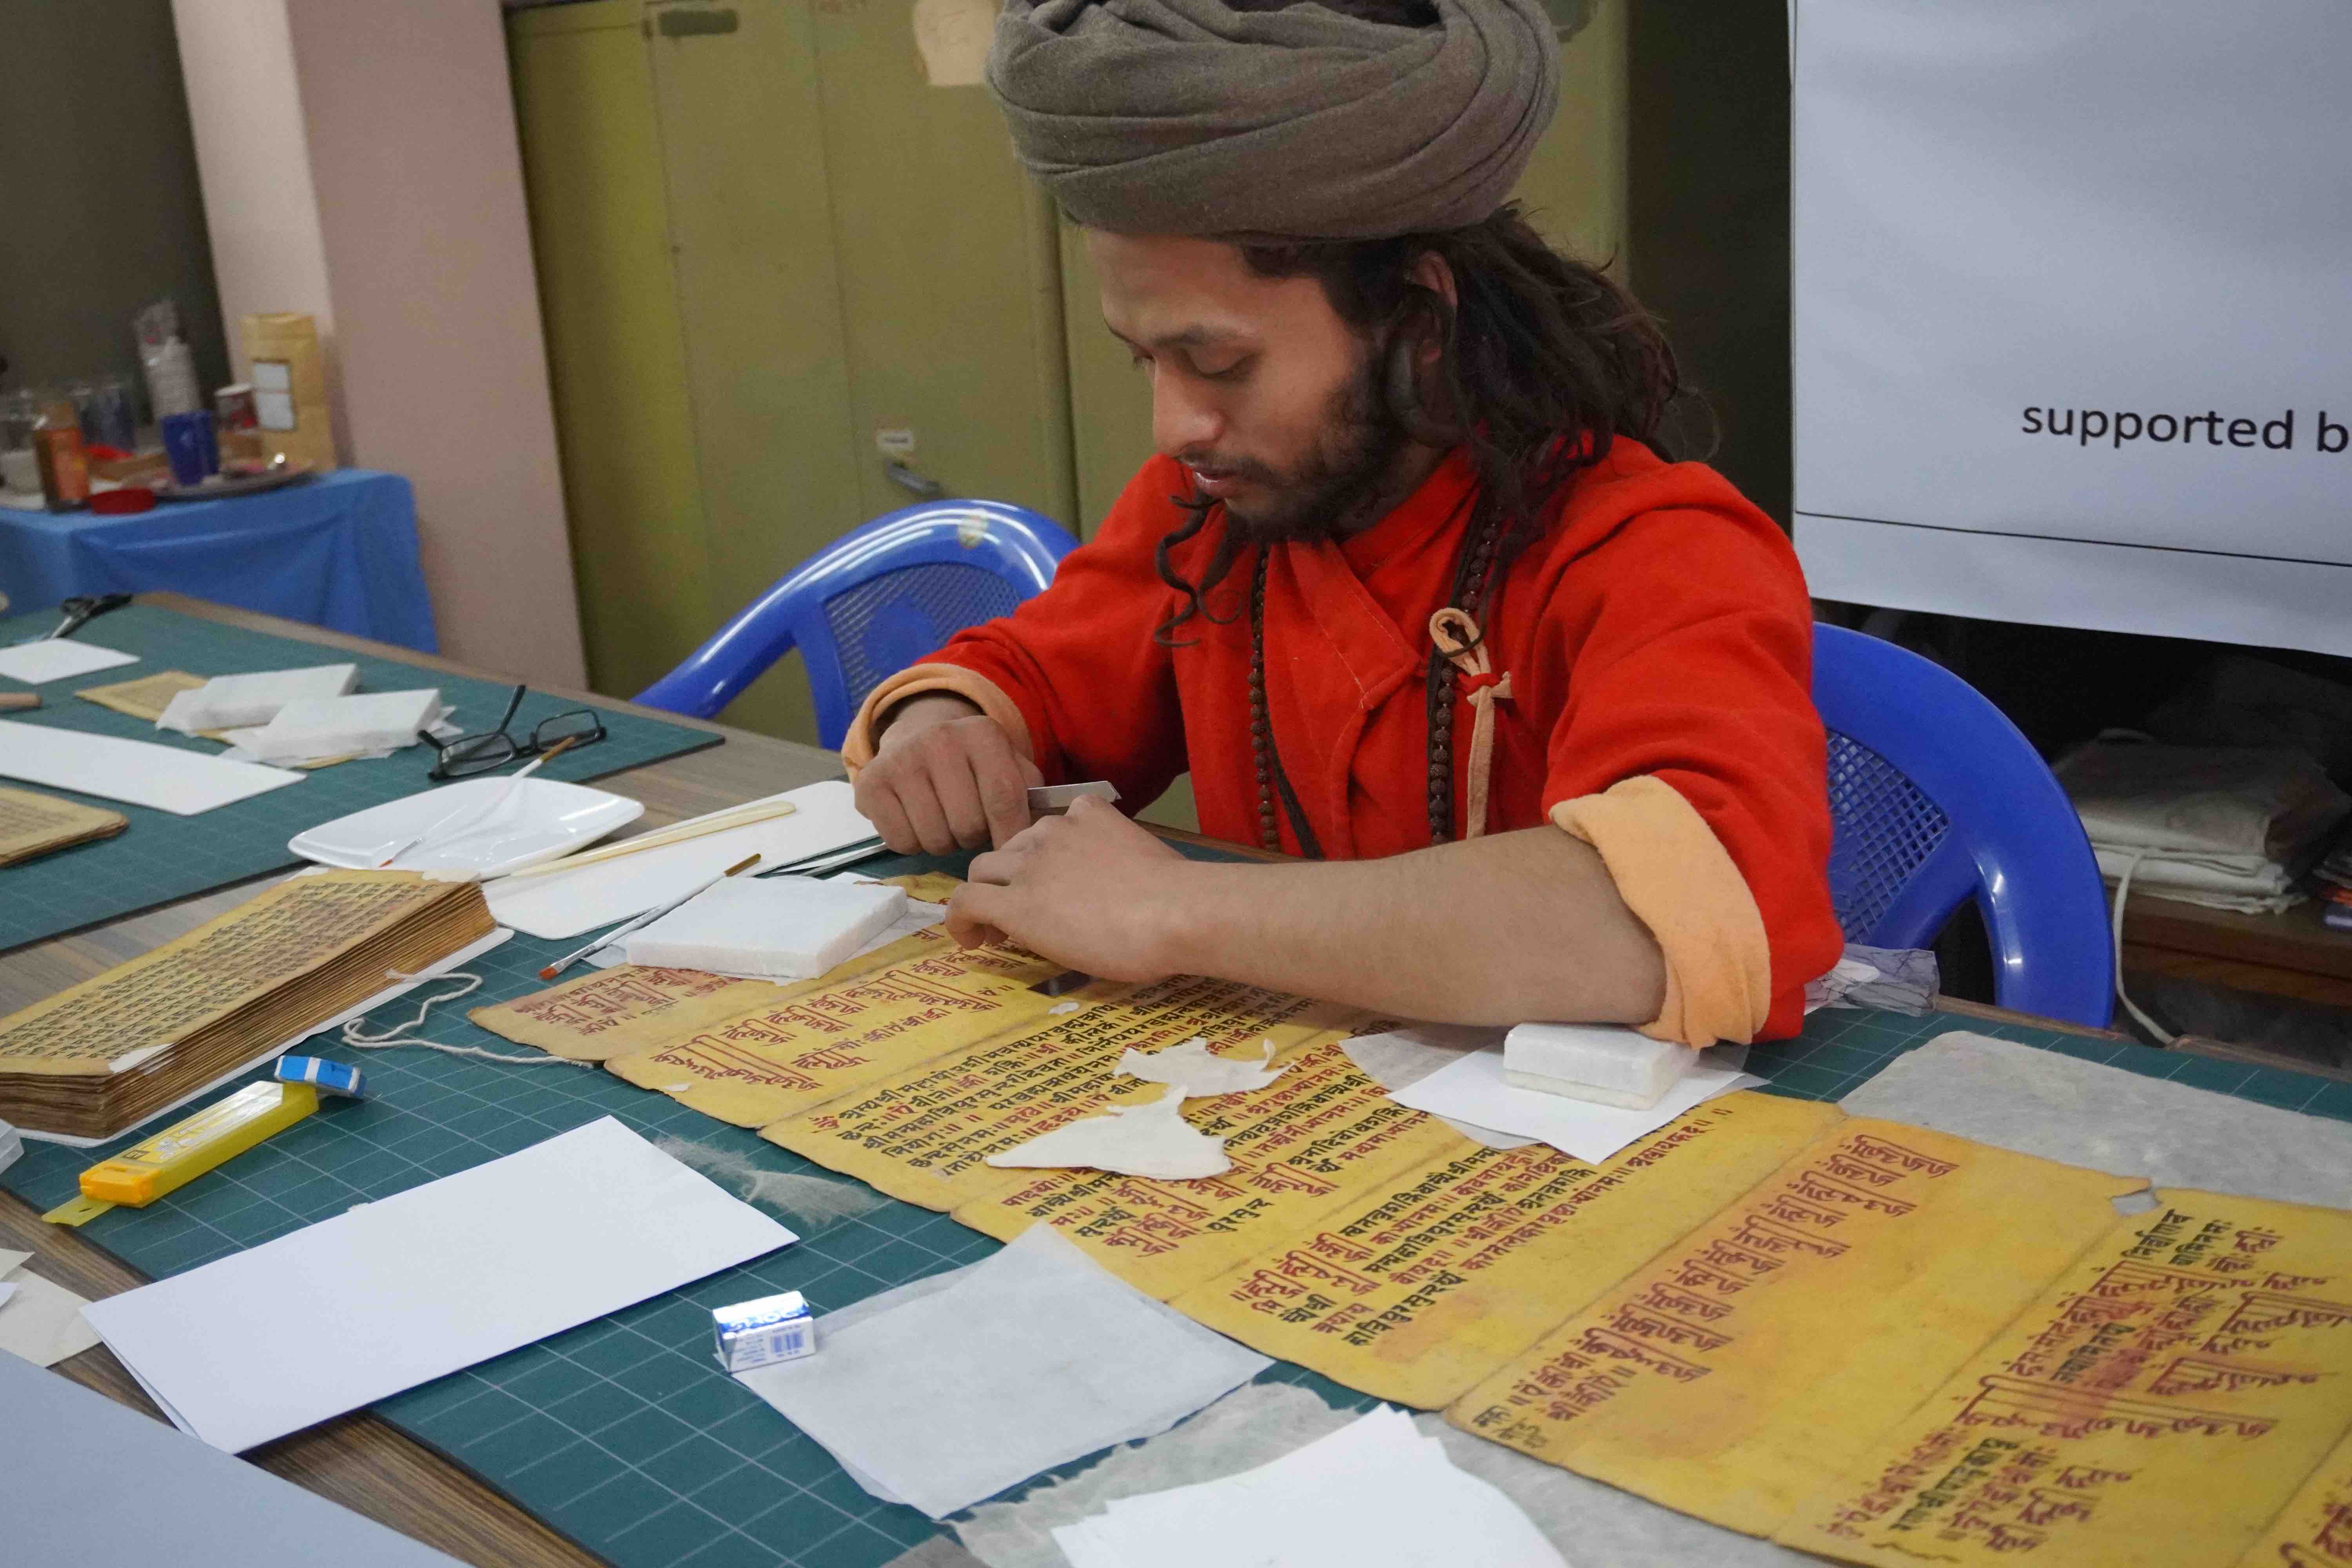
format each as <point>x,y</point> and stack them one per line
<point>1264,119</point>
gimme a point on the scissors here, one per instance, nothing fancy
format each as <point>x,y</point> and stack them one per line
<point>81,609</point>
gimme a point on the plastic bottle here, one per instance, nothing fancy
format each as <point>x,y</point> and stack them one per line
<point>171,369</point>
<point>65,466</point>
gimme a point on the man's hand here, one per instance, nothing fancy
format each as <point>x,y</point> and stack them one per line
<point>1089,889</point>
<point>945,779</point>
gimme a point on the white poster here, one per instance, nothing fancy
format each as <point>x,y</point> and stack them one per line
<point>2073,312</point>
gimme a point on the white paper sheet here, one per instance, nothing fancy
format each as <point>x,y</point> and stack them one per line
<point>1591,1524</point>
<point>139,772</point>
<point>158,1497</point>
<point>40,1319</point>
<point>2081,1113</point>
<point>1375,1494</point>
<point>1473,1090</point>
<point>1255,1422</point>
<point>415,1286</point>
<point>1403,1056</point>
<point>1025,1360</point>
<point>570,903</point>
<point>57,659</point>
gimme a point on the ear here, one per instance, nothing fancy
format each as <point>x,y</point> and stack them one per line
<point>1430,272</point>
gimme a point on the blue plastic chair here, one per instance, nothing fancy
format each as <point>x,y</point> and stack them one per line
<point>877,601</point>
<point>1936,798</point>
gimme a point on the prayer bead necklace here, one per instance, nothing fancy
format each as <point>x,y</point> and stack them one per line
<point>1471,592</point>
<point>1271,779</point>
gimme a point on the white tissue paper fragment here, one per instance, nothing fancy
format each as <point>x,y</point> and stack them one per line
<point>1151,1140</point>
<point>238,701</point>
<point>1195,1073</point>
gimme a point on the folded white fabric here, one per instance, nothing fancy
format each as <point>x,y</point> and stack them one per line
<point>1377,1493</point>
<point>2222,825</point>
<point>2231,806</point>
<point>313,727</point>
<point>779,928</point>
<point>949,1390</point>
<point>240,701</point>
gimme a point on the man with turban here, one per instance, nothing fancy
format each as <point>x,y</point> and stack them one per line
<point>1408,588</point>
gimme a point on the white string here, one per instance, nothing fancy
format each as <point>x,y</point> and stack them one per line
<point>2123,891</point>
<point>394,1036</point>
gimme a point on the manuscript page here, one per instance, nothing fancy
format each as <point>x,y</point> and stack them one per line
<point>1321,1135</point>
<point>826,1039</point>
<point>145,697</point>
<point>1433,1278</point>
<point>923,1134</point>
<point>34,825</point>
<point>623,1010</point>
<point>2314,1530</point>
<point>2163,1400</point>
<point>272,939</point>
<point>631,1008</point>
<point>1750,1364</point>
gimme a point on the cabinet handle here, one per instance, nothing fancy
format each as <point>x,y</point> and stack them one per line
<point>688,23</point>
<point>906,478</point>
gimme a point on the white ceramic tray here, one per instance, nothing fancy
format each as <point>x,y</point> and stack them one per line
<point>483,833</point>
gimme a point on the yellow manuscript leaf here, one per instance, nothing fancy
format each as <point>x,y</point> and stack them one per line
<point>33,825</point>
<point>1435,1278</point>
<point>923,1135</point>
<point>2160,1401</point>
<point>2314,1529</point>
<point>827,1037</point>
<point>1755,1361</point>
<point>145,697</point>
<point>622,1010</point>
<point>1322,1133</point>
<point>632,1007</point>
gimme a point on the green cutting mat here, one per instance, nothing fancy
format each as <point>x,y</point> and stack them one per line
<point>623,1434</point>
<point>159,856</point>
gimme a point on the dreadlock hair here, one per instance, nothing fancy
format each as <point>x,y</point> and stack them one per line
<point>1542,362</point>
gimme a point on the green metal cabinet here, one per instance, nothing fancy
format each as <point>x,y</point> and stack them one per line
<point>616,356</point>
<point>777,263</point>
<point>854,272</point>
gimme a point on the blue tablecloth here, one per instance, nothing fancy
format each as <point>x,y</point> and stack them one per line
<point>338,552</point>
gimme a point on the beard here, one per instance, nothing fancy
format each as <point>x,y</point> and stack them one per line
<point>1329,493</point>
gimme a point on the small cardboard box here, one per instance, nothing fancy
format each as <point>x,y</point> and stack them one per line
<point>290,389</point>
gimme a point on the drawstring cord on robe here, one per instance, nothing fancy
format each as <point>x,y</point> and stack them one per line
<point>1458,639</point>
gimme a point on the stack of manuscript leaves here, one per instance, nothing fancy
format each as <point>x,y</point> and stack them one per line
<point>34,825</point>
<point>96,1059</point>
<point>1864,1338</point>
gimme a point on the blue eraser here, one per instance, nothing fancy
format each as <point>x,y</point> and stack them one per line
<point>334,1078</point>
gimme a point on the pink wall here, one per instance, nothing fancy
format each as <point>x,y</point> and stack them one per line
<point>252,161</point>
<point>406,143</point>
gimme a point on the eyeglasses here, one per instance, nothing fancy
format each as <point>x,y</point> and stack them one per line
<point>492,749</point>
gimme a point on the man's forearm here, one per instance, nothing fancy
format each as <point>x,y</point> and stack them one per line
<point>1497,930</point>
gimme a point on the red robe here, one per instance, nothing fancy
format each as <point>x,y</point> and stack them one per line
<point>1658,643</point>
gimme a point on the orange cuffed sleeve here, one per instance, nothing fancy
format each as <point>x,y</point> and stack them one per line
<point>859,746</point>
<point>1688,753</point>
<point>1677,880</point>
